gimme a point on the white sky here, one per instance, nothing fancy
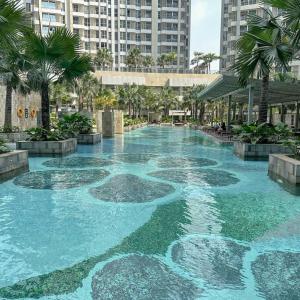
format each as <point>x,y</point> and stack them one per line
<point>205,27</point>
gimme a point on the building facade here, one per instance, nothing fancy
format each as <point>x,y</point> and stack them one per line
<point>234,24</point>
<point>154,26</point>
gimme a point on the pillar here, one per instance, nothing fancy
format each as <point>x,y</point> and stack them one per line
<point>229,111</point>
<point>270,114</point>
<point>297,115</point>
<point>282,113</point>
<point>250,105</point>
<point>108,126</point>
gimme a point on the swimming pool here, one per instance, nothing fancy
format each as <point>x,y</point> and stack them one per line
<point>159,213</point>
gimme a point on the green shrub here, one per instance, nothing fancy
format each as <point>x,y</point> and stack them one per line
<point>9,129</point>
<point>75,124</point>
<point>3,147</point>
<point>294,146</point>
<point>262,133</point>
<point>41,134</point>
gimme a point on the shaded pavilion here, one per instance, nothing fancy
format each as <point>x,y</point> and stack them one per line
<point>225,87</point>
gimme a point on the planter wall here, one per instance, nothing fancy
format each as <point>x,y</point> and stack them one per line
<point>108,127</point>
<point>99,120</point>
<point>285,168</point>
<point>13,163</point>
<point>48,147</point>
<point>119,121</point>
<point>89,139</point>
<point>14,137</point>
<point>258,151</point>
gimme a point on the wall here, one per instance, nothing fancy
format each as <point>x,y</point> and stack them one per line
<point>26,104</point>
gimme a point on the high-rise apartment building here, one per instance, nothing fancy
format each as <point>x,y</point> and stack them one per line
<point>154,26</point>
<point>234,24</point>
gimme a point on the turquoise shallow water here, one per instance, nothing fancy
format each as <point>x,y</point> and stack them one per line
<point>159,213</point>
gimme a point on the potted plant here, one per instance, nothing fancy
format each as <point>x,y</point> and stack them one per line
<point>79,126</point>
<point>287,166</point>
<point>11,162</point>
<point>47,141</point>
<point>256,142</point>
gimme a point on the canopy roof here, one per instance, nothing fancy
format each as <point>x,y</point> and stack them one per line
<point>225,85</point>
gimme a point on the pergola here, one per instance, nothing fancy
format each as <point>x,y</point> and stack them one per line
<point>227,86</point>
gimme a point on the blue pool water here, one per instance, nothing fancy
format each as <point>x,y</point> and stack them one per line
<point>159,213</point>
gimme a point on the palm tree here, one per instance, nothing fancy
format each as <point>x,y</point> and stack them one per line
<point>13,22</point>
<point>291,17</point>
<point>59,93</point>
<point>13,67</point>
<point>105,99</point>
<point>87,88</point>
<point>148,61</point>
<point>134,58</point>
<point>54,58</point>
<point>162,60</point>
<point>197,59</point>
<point>208,59</point>
<point>103,58</point>
<point>168,99</point>
<point>262,48</point>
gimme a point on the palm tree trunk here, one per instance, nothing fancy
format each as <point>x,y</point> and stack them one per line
<point>263,105</point>
<point>8,105</point>
<point>202,112</point>
<point>45,106</point>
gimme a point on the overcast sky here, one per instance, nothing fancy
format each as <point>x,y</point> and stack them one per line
<point>205,27</point>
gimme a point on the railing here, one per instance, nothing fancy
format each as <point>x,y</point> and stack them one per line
<point>155,70</point>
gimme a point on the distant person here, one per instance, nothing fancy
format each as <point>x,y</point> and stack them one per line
<point>223,126</point>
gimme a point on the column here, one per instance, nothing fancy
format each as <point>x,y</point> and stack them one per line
<point>270,114</point>
<point>250,105</point>
<point>297,115</point>
<point>108,126</point>
<point>229,111</point>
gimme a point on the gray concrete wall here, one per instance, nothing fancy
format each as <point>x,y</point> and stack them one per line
<point>27,104</point>
<point>13,163</point>
<point>108,127</point>
<point>284,167</point>
<point>99,120</point>
<point>89,139</point>
<point>119,121</point>
<point>48,147</point>
<point>258,151</point>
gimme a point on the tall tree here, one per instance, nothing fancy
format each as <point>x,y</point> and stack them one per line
<point>197,59</point>
<point>148,61</point>
<point>290,12</point>
<point>59,94</point>
<point>13,67</point>
<point>103,58</point>
<point>263,47</point>
<point>13,22</point>
<point>54,57</point>
<point>208,59</point>
<point>134,58</point>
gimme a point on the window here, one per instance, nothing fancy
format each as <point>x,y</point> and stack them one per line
<point>48,4</point>
<point>49,17</point>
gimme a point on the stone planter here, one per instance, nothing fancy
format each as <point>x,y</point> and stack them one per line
<point>89,139</point>
<point>14,137</point>
<point>13,163</point>
<point>258,151</point>
<point>48,147</point>
<point>285,168</point>
<point>127,128</point>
